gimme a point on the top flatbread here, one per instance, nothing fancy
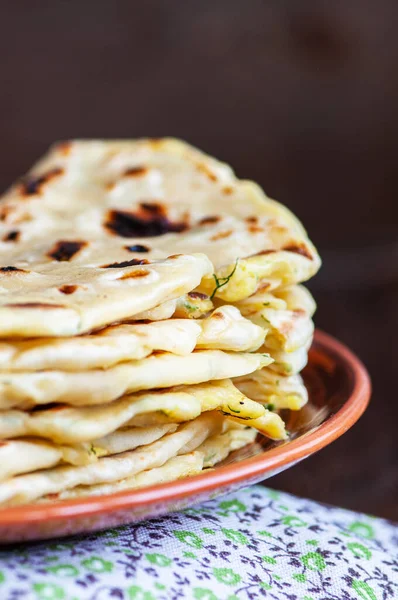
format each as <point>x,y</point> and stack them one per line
<point>75,227</point>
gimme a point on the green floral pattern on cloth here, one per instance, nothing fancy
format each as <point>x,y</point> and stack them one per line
<point>256,543</point>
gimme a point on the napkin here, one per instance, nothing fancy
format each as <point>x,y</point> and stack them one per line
<point>256,543</point>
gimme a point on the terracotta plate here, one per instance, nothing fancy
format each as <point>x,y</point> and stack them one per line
<point>339,390</point>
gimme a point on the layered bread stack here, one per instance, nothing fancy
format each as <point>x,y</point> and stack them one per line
<point>151,318</point>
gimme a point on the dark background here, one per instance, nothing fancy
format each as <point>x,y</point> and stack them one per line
<point>300,96</point>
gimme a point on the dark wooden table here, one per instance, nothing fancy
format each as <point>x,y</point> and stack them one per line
<point>300,96</point>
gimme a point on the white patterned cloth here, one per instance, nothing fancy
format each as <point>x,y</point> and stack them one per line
<point>256,543</point>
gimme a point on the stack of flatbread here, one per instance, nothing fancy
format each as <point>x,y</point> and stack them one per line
<point>151,318</point>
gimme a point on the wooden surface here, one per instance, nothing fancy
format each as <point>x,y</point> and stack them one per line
<point>300,96</point>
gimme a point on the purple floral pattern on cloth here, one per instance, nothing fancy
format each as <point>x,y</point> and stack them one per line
<point>254,544</point>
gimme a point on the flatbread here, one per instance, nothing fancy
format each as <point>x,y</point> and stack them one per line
<point>25,488</point>
<point>273,390</point>
<point>57,298</point>
<point>212,451</point>
<point>294,297</point>
<point>290,363</point>
<point>91,205</point>
<point>226,329</point>
<point>285,315</point>
<point>297,297</point>
<point>223,329</point>
<point>163,311</point>
<point>192,305</point>
<point>115,261</point>
<point>32,454</point>
<point>216,448</point>
<point>175,468</point>
<point>99,386</point>
<point>71,425</point>
<point>23,456</point>
<point>270,424</point>
<point>287,330</point>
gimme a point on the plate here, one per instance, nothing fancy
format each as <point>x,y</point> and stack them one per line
<point>339,390</point>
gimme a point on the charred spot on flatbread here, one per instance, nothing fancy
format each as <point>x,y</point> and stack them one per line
<point>32,185</point>
<point>44,305</point>
<point>148,220</point>
<point>136,274</point>
<point>64,148</point>
<point>221,235</point>
<point>11,269</point>
<point>263,252</point>
<point>127,263</point>
<point>207,171</point>
<point>138,248</point>
<point>218,315</point>
<point>299,249</point>
<point>65,249</point>
<point>68,289</point>
<point>5,211</point>
<point>137,171</point>
<point>209,220</point>
<point>51,406</point>
<point>198,296</point>
<point>254,228</point>
<point>12,236</point>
